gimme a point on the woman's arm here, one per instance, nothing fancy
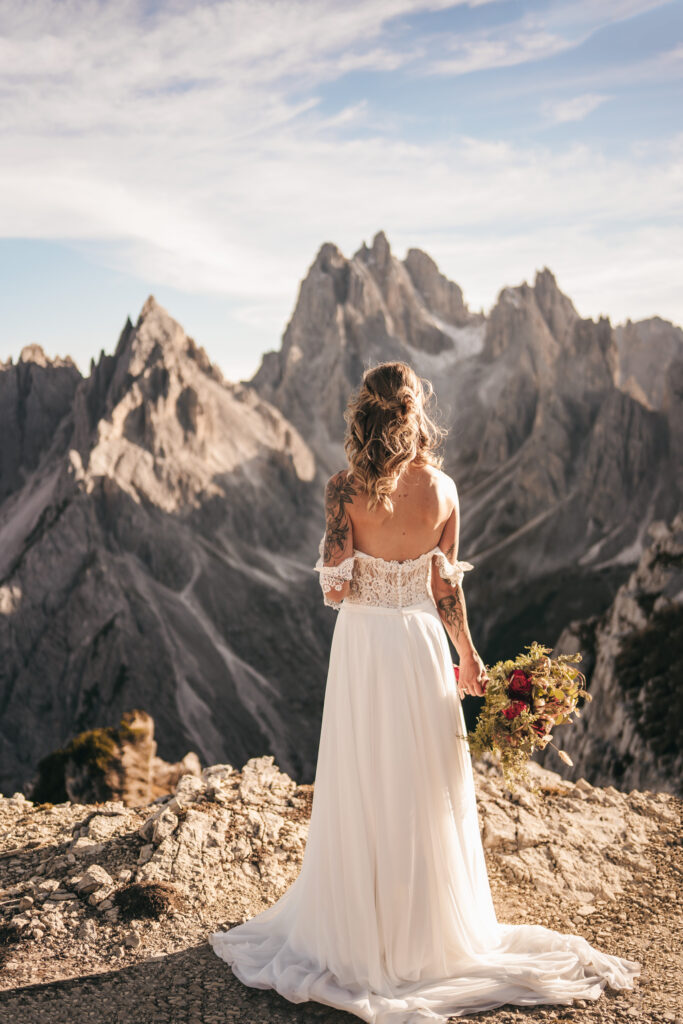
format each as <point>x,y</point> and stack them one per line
<point>338,542</point>
<point>450,602</point>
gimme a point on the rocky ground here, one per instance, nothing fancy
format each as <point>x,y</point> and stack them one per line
<point>105,909</point>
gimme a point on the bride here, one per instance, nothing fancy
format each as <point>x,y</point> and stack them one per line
<point>391,916</point>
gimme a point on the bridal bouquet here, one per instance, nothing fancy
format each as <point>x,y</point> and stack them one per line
<point>525,699</point>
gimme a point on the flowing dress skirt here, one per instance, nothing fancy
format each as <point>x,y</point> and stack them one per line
<point>391,916</point>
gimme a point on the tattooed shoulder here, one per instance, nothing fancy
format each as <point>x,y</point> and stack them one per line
<point>339,492</point>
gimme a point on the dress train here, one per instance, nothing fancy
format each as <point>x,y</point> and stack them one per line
<point>391,916</point>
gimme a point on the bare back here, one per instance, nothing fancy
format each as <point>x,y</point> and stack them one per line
<point>423,501</point>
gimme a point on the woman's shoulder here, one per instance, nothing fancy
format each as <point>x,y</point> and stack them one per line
<point>342,478</point>
<point>340,488</point>
<point>441,481</point>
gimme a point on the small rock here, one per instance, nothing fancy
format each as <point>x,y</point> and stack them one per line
<point>21,921</point>
<point>162,824</point>
<point>189,788</point>
<point>131,940</point>
<point>103,827</point>
<point>88,930</point>
<point>146,853</point>
<point>25,902</point>
<point>85,845</point>
<point>46,885</point>
<point>94,878</point>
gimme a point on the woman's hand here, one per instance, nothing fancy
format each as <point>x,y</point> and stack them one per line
<point>472,677</point>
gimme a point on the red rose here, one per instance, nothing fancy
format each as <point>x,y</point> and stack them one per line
<point>514,709</point>
<point>519,685</point>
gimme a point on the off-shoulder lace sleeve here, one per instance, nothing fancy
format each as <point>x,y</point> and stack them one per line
<point>454,571</point>
<point>333,577</point>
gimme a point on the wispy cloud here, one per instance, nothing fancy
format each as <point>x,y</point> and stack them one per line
<point>533,36</point>
<point>498,51</point>
<point>191,146</point>
<point>573,109</point>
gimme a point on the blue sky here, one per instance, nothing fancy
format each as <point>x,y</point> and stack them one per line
<point>203,152</point>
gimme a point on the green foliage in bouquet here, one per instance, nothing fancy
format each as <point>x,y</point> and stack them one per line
<point>526,697</point>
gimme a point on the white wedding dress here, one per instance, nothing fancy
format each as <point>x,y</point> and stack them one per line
<point>391,916</point>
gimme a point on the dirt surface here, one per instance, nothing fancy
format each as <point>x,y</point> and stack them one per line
<point>75,960</point>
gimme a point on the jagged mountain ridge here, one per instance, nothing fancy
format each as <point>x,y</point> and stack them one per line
<point>352,312</point>
<point>543,442</point>
<point>134,570</point>
<point>162,546</point>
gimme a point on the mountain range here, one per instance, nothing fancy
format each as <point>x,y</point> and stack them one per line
<point>159,524</point>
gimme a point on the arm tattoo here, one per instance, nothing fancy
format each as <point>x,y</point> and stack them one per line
<point>451,612</point>
<point>339,492</point>
<point>450,552</point>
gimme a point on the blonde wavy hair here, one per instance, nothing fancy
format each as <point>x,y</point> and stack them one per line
<point>388,426</point>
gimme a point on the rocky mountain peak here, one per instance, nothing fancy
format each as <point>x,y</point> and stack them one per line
<point>557,308</point>
<point>36,394</point>
<point>149,307</point>
<point>148,359</point>
<point>33,354</point>
<point>354,311</point>
<point>381,251</point>
<point>517,328</point>
<point>328,256</point>
<point>161,395</point>
<point>157,338</point>
<point>441,296</point>
<point>378,256</point>
<point>165,519</point>
<point>647,350</point>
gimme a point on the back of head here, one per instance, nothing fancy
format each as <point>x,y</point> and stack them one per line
<point>388,426</point>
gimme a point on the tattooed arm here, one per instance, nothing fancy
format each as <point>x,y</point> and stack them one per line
<point>339,493</point>
<point>450,602</point>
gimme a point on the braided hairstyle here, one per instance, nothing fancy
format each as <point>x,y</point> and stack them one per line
<point>388,427</point>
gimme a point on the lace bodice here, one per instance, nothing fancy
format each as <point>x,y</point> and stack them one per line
<point>386,583</point>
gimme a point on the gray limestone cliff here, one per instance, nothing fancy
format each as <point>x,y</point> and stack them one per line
<point>35,395</point>
<point>158,556</point>
<point>631,733</point>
